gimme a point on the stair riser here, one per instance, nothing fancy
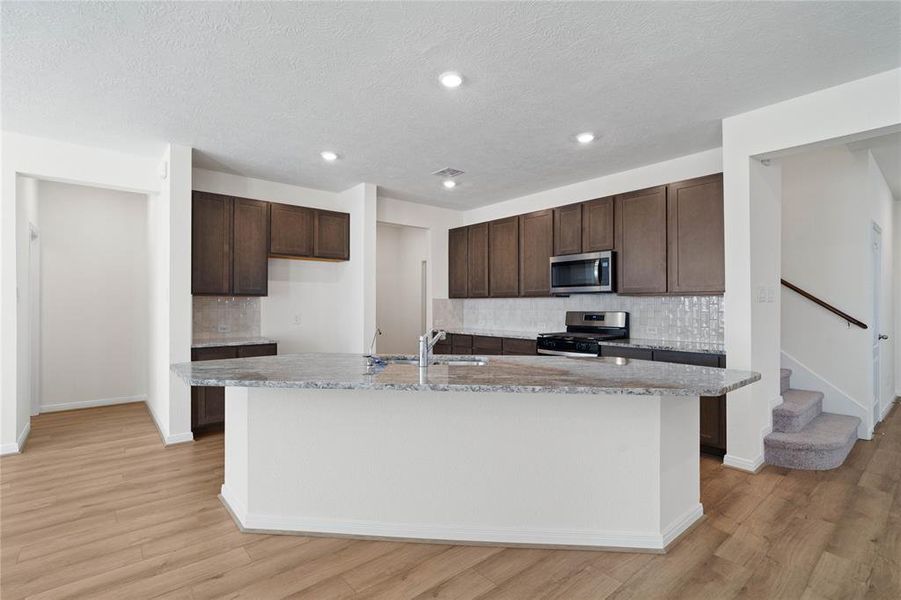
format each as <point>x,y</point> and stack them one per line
<point>808,460</point>
<point>795,423</point>
<point>785,383</point>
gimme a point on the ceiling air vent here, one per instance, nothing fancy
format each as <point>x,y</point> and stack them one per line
<point>448,172</point>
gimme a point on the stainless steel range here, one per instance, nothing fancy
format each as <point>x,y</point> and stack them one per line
<point>584,331</point>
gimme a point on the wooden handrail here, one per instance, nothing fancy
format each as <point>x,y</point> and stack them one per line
<point>851,320</point>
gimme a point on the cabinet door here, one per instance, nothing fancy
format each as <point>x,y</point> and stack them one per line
<point>503,257</point>
<point>211,238</point>
<point>687,358</point>
<point>519,347</point>
<point>627,352</point>
<point>332,235</point>
<point>478,261</point>
<point>696,257</point>
<point>713,424</point>
<point>290,230</point>
<point>488,345</point>
<point>597,225</point>
<point>458,262</point>
<point>207,402</point>
<point>461,344</point>
<point>214,353</point>
<point>536,246</point>
<point>250,263</point>
<point>568,229</point>
<point>257,350</point>
<point>207,406</point>
<point>641,241</point>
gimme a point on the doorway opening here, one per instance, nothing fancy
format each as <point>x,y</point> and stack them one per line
<point>83,296</point>
<point>402,254</point>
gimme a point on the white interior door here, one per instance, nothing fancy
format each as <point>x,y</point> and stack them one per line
<point>877,311</point>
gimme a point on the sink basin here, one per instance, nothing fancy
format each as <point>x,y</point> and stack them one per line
<point>459,362</point>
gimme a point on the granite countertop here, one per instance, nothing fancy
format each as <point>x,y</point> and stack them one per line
<point>210,342</point>
<point>674,345</point>
<point>520,374</point>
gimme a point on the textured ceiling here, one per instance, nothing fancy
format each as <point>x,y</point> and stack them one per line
<point>260,89</point>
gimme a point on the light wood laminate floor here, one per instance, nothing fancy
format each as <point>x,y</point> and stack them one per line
<point>97,508</point>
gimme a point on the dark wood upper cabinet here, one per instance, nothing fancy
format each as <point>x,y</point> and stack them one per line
<point>332,235</point>
<point>597,225</point>
<point>695,235</point>
<point>568,229</point>
<point>477,279</point>
<point>211,239</point>
<point>503,257</point>
<point>641,241</point>
<point>291,230</point>
<point>536,246</point>
<point>250,262</point>
<point>458,262</point>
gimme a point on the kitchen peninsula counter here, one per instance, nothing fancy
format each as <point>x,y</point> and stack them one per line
<point>512,374</point>
<point>547,451</point>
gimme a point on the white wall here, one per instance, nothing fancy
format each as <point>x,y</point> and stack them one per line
<point>401,251</point>
<point>314,306</point>
<point>28,306</point>
<point>436,222</point>
<point>830,198</point>
<point>752,237</point>
<point>94,306</point>
<point>58,161</point>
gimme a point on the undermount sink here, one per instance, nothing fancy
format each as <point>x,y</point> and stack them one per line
<point>451,362</point>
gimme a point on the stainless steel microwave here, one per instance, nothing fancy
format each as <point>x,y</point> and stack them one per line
<point>588,273</point>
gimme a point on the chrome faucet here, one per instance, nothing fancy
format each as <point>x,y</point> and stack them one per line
<point>426,344</point>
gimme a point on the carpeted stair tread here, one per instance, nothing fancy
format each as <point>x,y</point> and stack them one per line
<point>785,376</point>
<point>798,408</point>
<point>828,431</point>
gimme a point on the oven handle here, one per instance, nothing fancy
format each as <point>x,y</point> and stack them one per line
<point>562,353</point>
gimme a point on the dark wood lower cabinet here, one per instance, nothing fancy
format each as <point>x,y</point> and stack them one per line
<point>485,345</point>
<point>208,402</point>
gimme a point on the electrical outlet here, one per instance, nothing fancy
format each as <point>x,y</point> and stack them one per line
<point>297,320</point>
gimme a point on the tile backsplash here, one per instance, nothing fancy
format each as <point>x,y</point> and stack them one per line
<point>226,316</point>
<point>678,318</point>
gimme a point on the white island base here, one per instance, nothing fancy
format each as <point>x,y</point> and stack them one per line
<point>601,471</point>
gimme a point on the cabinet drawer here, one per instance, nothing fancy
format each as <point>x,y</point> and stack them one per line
<point>624,352</point>
<point>214,353</point>
<point>687,358</point>
<point>483,344</point>
<point>461,342</point>
<point>257,350</point>
<point>515,346</point>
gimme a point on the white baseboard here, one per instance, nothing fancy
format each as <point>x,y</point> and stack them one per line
<point>92,403</point>
<point>179,438</point>
<point>887,408</point>
<point>255,522</point>
<point>743,464</point>
<point>17,447</point>
<point>167,439</point>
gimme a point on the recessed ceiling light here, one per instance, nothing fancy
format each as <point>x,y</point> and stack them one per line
<point>450,184</point>
<point>328,155</point>
<point>450,79</point>
<point>585,138</point>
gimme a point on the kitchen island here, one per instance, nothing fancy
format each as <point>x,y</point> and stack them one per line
<point>550,451</point>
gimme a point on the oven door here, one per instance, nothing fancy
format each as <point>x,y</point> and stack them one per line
<point>591,272</point>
